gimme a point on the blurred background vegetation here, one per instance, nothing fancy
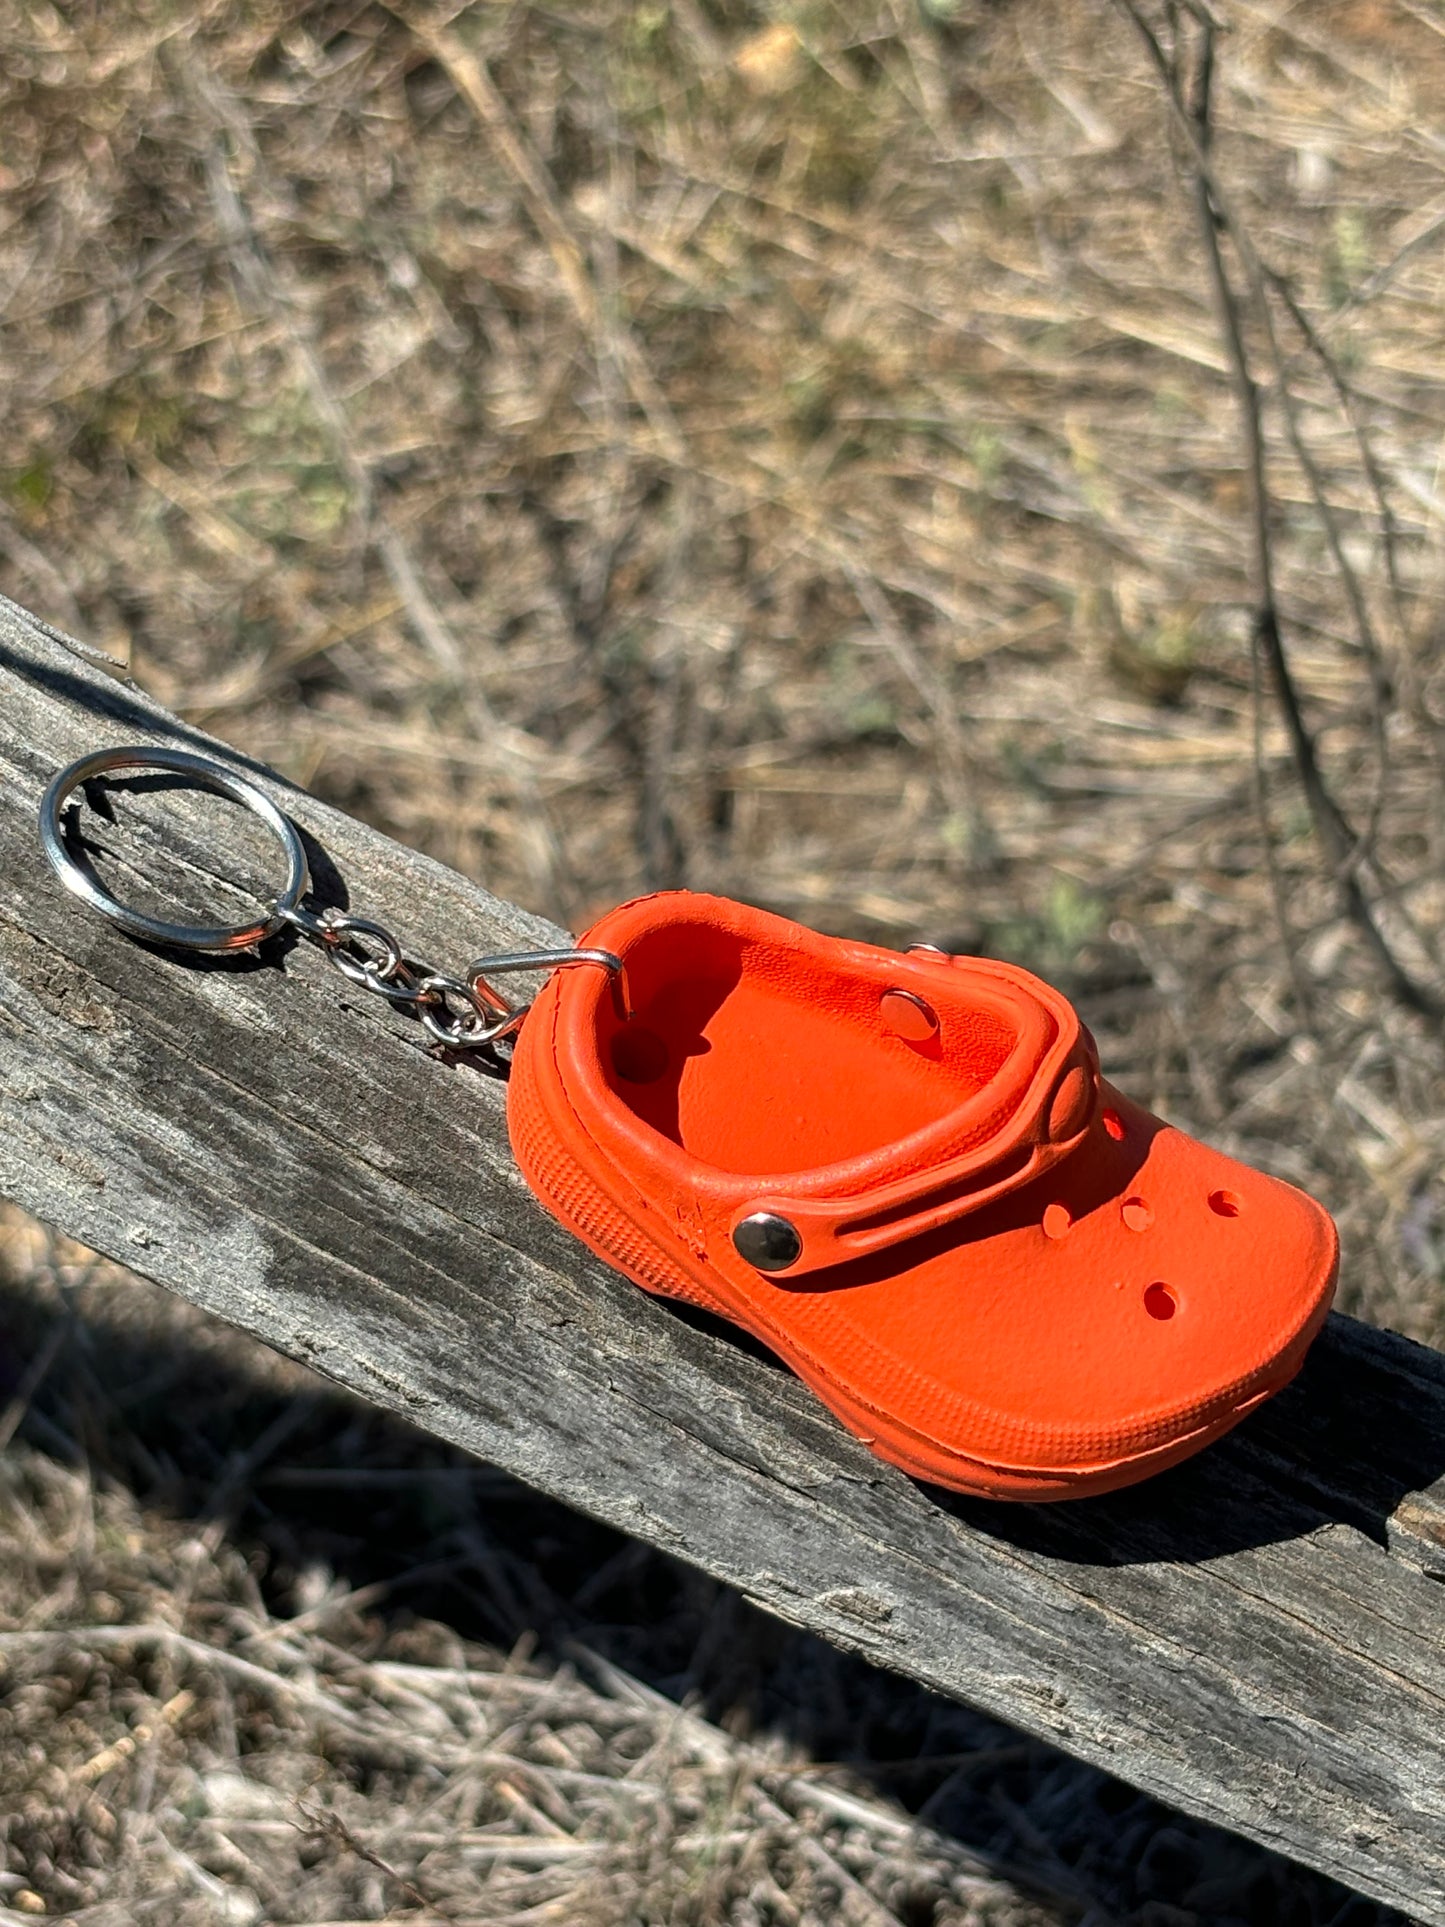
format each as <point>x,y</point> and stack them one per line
<point>788,450</point>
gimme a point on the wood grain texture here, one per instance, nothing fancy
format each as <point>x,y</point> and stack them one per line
<point>1258,1637</point>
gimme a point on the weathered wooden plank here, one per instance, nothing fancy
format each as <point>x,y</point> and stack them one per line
<point>1256,1637</point>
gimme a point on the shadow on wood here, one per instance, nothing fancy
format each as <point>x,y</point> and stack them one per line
<point>1353,1442</point>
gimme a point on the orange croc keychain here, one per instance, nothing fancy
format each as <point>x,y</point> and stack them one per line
<point>901,1171</point>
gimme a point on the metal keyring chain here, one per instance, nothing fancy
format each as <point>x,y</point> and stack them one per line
<point>364,951</point>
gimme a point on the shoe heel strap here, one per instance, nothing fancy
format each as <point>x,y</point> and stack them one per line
<point>775,1232</point>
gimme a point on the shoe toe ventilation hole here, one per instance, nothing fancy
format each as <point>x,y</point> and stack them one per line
<point>1057,1220</point>
<point>1136,1214</point>
<point>1225,1204</point>
<point>638,1056</point>
<point>1160,1302</point>
<point>1114,1125</point>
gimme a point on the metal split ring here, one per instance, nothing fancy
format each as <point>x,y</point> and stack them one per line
<point>82,881</point>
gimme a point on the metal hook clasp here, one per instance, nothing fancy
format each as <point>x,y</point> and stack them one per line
<point>509,961</point>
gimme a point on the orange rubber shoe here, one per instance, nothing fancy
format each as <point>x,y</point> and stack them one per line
<point>903,1174</point>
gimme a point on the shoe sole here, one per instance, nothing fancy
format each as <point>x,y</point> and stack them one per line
<point>925,1459</point>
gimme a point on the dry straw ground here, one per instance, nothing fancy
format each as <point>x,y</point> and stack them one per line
<point>787,450</point>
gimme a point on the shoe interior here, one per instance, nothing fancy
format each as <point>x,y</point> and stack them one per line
<point>760,1057</point>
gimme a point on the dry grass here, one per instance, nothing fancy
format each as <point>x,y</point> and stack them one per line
<point>783,451</point>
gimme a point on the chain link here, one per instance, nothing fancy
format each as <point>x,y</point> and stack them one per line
<point>461,1016</point>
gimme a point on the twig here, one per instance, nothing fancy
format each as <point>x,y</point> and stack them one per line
<point>469,75</point>
<point>331,1828</point>
<point>1304,996</point>
<point>1344,848</point>
<point>15,1410</point>
<point>1349,407</point>
<point>1349,403</point>
<point>110,1757</point>
<point>194,1650</point>
<point>621,362</point>
<point>261,280</point>
<point>39,568</point>
<point>932,686</point>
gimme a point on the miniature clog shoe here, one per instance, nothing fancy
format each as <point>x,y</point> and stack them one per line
<point>903,1175</point>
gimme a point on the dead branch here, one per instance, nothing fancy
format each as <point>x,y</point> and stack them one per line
<point>1188,87</point>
